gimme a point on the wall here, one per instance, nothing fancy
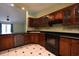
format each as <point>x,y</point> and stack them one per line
<point>18,27</point>
<point>58,28</point>
<point>16,16</point>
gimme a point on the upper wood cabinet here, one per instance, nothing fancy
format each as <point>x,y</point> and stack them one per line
<point>66,16</point>
<point>71,15</point>
<point>76,13</point>
<point>59,15</point>
<point>33,22</point>
<point>38,22</point>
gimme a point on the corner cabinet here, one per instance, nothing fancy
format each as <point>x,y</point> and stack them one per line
<point>68,46</point>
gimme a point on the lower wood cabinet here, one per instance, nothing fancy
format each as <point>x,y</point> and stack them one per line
<point>6,42</point>
<point>75,48</point>
<point>69,47</point>
<point>34,37</point>
<point>26,38</point>
<point>65,46</point>
<point>42,39</point>
<point>37,38</point>
<point>13,40</point>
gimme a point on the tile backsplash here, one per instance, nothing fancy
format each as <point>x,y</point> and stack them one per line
<point>58,27</point>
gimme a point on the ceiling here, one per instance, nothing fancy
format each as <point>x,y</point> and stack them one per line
<point>36,7</point>
<point>35,10</point>
<point>15,15</point>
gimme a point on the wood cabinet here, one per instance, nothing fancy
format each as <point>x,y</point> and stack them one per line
<point>71,15</point>
<point>38,22</point>
<point>6,41</point>
<point>76,13</point>
<point>68,46</point>
<point>13,40</point>
<point>65,46</point>
<point>75,48</point>
<point>37,38</point>
<point>34,37</point>
<point>59,15</point>
<point>33,22</point>
<point>66,16</point>
<point>26,38</point>
<point>42,39</point>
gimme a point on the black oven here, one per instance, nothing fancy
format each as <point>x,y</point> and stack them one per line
<point>51,42</point>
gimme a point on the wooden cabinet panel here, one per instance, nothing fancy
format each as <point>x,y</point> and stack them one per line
<point>64,47</point>
<point>38,22</point>
<point>69,47</point>
<point>26,38</point>
<point>59,15</point>
<point>71,15</point>
<point>75,48</point>
<point>67,16</point>
<point>42,39</point>
<point>34,37</point>
<point>6,42</point>
<point>37,38</point>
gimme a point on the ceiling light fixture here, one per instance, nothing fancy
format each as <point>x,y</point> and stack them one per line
<point>23,8</point>
<point>7,18</point>
<point>12,5</point>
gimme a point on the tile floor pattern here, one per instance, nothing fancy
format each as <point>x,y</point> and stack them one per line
<point>27,50</point>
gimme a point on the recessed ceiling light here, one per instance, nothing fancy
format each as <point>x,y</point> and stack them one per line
<point>23,8</point>
<point>12,5</point>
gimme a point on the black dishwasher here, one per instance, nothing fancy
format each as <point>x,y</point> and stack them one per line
<point>52,42</point>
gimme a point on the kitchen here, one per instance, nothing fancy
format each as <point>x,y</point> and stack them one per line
<point>56,29</point>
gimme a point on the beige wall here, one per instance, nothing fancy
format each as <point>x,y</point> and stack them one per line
<point>18,27</point>
<point>59,28</point>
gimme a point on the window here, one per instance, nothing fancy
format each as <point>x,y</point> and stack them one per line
<point>6,28</point>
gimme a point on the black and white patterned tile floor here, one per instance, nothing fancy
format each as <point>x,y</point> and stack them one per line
<point>27,50</point>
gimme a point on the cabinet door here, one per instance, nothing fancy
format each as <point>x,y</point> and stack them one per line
<point>64,47</point>
<point>76,13</point>
<point>67,17</point>
<point>6,42</point>
<point>34,37</point>
<point>59,15</point>
<point>26,39</point>
<point>75,47</point>
<point>42,39</point>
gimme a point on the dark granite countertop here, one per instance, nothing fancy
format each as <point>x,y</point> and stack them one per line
<point>61,34</point>
<point>12,33</point>
<point>64,34</point>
